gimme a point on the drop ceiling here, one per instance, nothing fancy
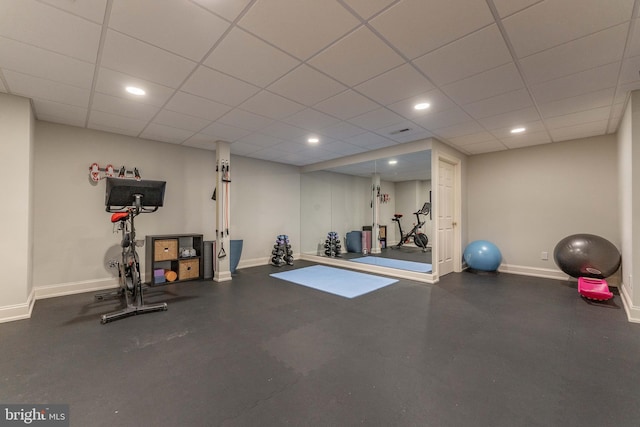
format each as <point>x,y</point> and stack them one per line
<point>265,75</point>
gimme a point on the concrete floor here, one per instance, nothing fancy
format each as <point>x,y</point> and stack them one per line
<point>472,350</point>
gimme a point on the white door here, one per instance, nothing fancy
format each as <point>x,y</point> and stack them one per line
<point>446,220</point>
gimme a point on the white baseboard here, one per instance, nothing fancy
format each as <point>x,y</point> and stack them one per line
<point>256,262</point>
<point>546,273</point>
<point>71,288</point>
<point>15,312</point>
<point>633,312</point>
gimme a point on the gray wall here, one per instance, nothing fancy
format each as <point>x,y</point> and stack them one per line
<point>73,236</point>
<point>526,200</point>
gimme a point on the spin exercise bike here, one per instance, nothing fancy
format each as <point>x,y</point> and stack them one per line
<point>420,239</point>
<point>133,198</point>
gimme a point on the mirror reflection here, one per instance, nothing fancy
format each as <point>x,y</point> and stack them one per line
<point>376,212</point>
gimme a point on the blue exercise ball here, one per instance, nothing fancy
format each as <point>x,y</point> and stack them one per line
<point>482,255</point>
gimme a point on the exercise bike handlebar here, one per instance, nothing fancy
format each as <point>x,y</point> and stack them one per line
<point>142,209</point>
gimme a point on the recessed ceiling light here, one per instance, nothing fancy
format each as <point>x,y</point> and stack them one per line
<point>393,162</point>
<point>518,130</point>
<point>422,106</point>
<point>313,140</point>
<point>135,90</point>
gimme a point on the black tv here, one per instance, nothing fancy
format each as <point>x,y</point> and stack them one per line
<point>121,193</point>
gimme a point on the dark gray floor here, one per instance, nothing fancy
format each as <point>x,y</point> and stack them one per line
<point>473,350</point>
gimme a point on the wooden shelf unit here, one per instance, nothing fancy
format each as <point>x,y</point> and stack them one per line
<point>163,253</point>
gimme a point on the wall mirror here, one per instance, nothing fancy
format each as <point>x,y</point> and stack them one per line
<point>357,203</point>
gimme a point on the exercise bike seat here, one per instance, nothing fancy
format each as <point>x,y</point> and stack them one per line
<point>119,216</point>
<point>396,216</point>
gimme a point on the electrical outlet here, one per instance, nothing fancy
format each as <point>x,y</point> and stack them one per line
<point>544,256</point>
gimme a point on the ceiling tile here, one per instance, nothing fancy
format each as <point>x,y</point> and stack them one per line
<point>346,105</point>
<point>579,103</point>
<point>201,141</point>
<point>244,149</point>
<point>357,57</point>
<point>306,86</point>
<point>562,21</point>
<point>592,80</point>
<point>245,120</point>
<point>508,7</point>
<point>180,121</point>
<point>633,49</point>
<point>473,138</point>
<point>177,26</point>
<point>164,133</point>
<point>413,133</point>
<point>41,25</point>
<point>395,85</point>
<point>114,83</point>
<point>123,107</point>
<point>629,72</point>
<point>485,147</point>
<point>292,146</point>
<point>311,119</point>
<point>227,9</point>
<point>293,32</point>
<point>526,140</point>
<point>115,123</point>
<point>485,85</point>
<point>271,154</point>
<point>131,56</point>
<point>343,148</point>
<point>532,127</point>
<point>579,131</point>
<point>93,10</point>
<point>480,51</point>
<point>514,100</point>
<point>370,141</point>
<point>510,119</point>
<point>261,140</point>
<point>588,52</point>
<point>35,87</point>
<point>45,64</point>
<point>271,105</point>
<point>196,106</point>
<point>417,27</point>
<point>574,119</point>
<point>367,8</point>
<point>59,113</point>
<point>342,130</point>
<point>218,87</point>
<point>259,63</point>
<point>284,131</point>
<point>376,119</point>
<point>222,132</point>
<point>461,129</point>
<point>438,102</point>
<point>441,119</point>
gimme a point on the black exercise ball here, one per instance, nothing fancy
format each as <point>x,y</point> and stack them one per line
<point>587,255</point>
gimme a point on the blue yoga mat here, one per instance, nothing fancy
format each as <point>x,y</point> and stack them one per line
<point>420,267</point>
<point>345,283</point>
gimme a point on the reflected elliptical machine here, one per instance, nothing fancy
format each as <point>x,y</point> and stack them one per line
<point>419,238</point>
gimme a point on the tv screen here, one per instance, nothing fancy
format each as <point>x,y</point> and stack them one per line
<point>121,192</point>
